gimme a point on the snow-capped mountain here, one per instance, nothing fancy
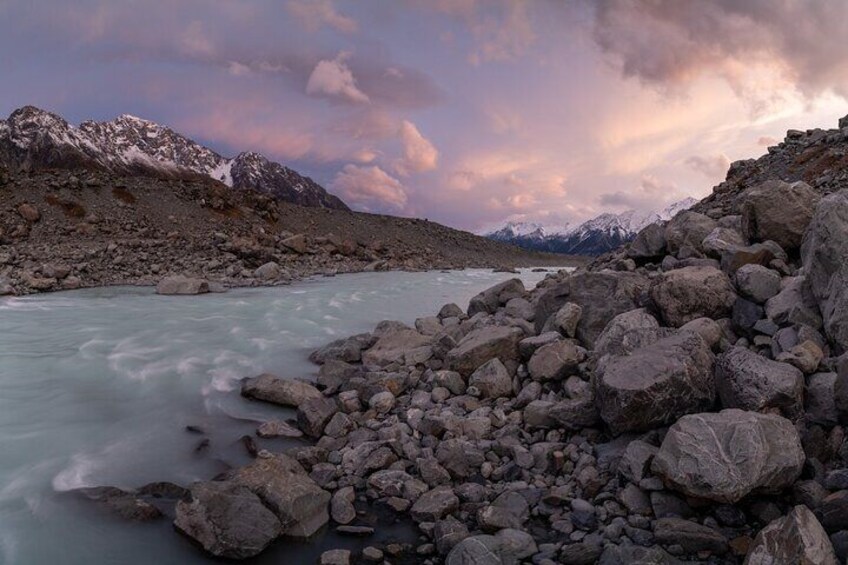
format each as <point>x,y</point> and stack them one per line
<point>593,237</point>
<point>32,138</point>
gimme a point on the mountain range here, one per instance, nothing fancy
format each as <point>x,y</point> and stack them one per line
<point>34,139</point>
<point>593,237</point>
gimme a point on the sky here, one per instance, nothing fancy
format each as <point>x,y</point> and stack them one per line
<point>466,112</point>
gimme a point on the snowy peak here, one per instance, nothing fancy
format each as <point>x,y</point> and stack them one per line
<point>32,138</point>
<point>593,237</point>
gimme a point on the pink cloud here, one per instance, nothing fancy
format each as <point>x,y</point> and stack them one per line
<point>334,79</point>
<point>369,187</point>
<point>318,13</point>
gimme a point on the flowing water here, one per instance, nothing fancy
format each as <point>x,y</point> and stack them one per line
<point>97,387</point>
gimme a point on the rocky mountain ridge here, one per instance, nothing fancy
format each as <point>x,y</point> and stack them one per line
<point>32,139</point>
<point>593,237</point>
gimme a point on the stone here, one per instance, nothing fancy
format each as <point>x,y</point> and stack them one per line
<point>182,285</point>
<point>341,505</point>
<point>395,347</point>
<point>793,302</point>
<point>648,244</point>
<point>382,402</point>
<point>737,257</point>
<point>751,382</point>
<point>636,555</point>
<point>567,318</point>
<point>282,484</point>
<point>29,213</point>
<point>447,533</point>
<point>507,547</point>
<point>834,511</point>
<point>685,294</point>
<point>450,311</point>
<point>277,428</point>
<point>270,271</point>
<point>434,504</point>
<point>313,414</point>
<point>757,283</point>
<point>348,350</point>
<point>824,254</point>
<point>691,536</point>
<point>806,357</point>
<point>555,361</point>
<point>273,389</point>
<point>778,211</point>
<point>335,557</point>
<point>509,510</point>
<point>493,298</point>
<point>797,537</point>
<point>492,379</point>
<point>227,520</point>
<point>296,243</point>
<point>745,315</point>
<point>519,308</point>
<point>709,330</point>
<point>820,399</point>
<point>459,457</point>
<point>482,345</point>
<point>601,295</point>
<point>125,504</point>
<point>688,229</point>
<point>635,462</point>
<point>721,240</point>
<point>656,384</point>
<point>725,456</point>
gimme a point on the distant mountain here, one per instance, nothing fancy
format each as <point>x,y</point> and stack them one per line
<point>32,139</point>
<point>594,237</point>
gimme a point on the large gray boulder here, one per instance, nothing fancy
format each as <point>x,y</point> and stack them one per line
<point>348,349</point>
<point>648,243</point>
<point>688,229</point>
<point>725,456</point>
<point>683,295</point>
<point>797,537</point>
<point>285,392</point>
<point>601,295</point>
<point>614,340</point>
<point>180,284</point>
<point>482,345</point>
<point>399,345</point>
<point>749,381</point>
<point>227,520</point>
<point>492,298</point>
<point>656,384</point>
<point>778,211</point>
<point>555,361</point>
<point>824,254</point>
<point>721,240</point>
<point>284,487</point>
<point>757,283</point>
<point>793,304</point>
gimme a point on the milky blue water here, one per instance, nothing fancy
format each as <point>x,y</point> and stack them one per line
<point>97,386</point>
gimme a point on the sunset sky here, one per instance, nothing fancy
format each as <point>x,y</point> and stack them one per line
<point>467,112</point>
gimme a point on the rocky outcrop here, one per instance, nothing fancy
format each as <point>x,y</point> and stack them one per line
<point>725,456</point>
<point>778,211</point>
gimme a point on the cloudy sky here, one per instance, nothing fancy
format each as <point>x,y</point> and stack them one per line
<point>467,112</point>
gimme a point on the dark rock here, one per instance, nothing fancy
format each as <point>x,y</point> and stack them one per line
<point>285,392</point>
<point>778,211</point>
<point>796,538</point>
<point>685,294</point>
<point>751,382</point>
<point>691,536</point>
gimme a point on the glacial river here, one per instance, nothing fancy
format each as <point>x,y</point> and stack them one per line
<point>97,387</point>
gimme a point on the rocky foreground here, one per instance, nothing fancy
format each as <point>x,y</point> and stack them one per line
<point>67,229</point>
<point>682,400</point>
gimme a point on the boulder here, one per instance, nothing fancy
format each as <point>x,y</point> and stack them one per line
<point>297,243</point>
<point>348,349</point>
<point>691,536</point>
<point>631,554</point>
<point>612,339</point>
<point>793,304</point>
<point>434,504</point>
<point>656,384</point>
<point>482,345</point>
<point>824,254</point>
<point>507,547</point>
<point>601,295</point>
<point>685,294</point>
<point>778,211</point>
<point>725,456</point>
<point>300,505</point>
<point>820,399</point>
<point>29,212</point>
<point>688,229</point>
<point>749,381</point>
<point>757,283</point>
<point>399,346</point>
<point>227,520</point>
<point>567,318</point>
<point>313,414</point>
<point>648,244</point>
<point>492,379</point>
<point>555,361</point>
<point>721,240</point>
<point>797,537</point>
<point>127,505</point>
<point>270,271</point>
<point>806,357</point>
<point>180,284</point>
<point>285,392</point>
<point>492,298</point>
